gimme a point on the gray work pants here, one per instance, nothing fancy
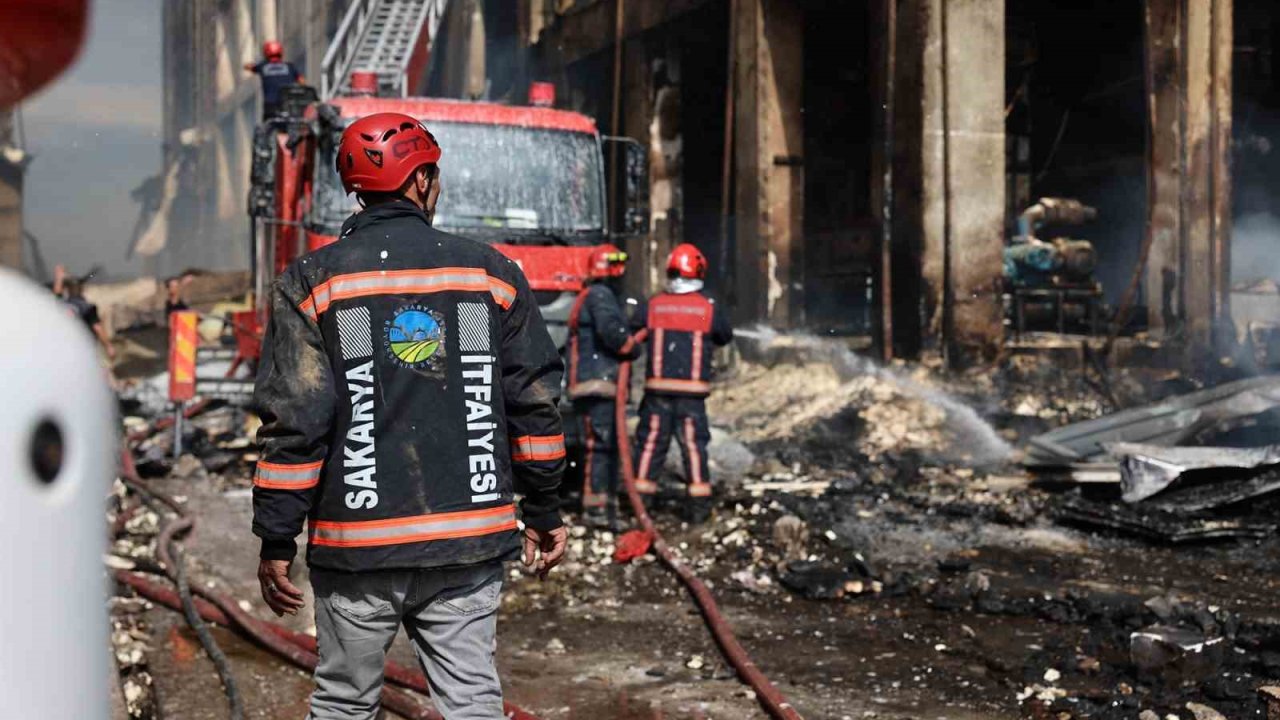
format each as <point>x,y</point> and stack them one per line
<point>450,614</point>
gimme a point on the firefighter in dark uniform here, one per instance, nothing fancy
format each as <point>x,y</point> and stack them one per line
<point>408,390</point>
<point>276,74</point>
<point>598,339</point>
<point>685,326</point>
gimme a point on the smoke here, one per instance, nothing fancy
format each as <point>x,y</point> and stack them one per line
<point>980,441</point>
<point>1255,247</point>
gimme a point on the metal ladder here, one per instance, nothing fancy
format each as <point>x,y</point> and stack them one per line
<point>379,36</point>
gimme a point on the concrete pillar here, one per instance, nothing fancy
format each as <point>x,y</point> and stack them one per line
<point>769,160</point>
<point>1189,43</point>
<point>643,275</point>
<point>962,176</point>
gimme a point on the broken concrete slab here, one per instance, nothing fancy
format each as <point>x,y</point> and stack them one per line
<point>1165,423</point>
<point>1176,654</point>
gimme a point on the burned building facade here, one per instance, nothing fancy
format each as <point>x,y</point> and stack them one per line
<point>859,168</point>
<point>850,168</point>
<point>211,106</point>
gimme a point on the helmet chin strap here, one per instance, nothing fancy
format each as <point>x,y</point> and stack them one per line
<point>429,212</point>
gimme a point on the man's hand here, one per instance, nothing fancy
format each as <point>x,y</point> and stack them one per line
<point>551,544</point>
<point>279,594</point>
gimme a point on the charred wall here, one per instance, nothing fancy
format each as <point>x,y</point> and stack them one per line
<point>211,107</point>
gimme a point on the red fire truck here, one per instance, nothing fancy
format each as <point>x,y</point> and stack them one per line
<point>531,180</point>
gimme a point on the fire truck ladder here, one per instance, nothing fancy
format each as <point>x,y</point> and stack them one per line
<point>381,36</point>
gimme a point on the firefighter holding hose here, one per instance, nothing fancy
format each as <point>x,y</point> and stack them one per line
<point>685,326</point>
<point>598,340</point>
<point>408,389</point>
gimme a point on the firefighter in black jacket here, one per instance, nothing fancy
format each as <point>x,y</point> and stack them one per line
<point>408,389</point>
<point>598,339</point>
<point>684,326</point>
<point>276,74</point>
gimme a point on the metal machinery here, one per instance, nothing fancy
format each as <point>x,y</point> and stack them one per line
<point>1050,283</point>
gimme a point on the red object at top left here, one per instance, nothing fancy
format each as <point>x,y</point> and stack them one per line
<point>38,40</point>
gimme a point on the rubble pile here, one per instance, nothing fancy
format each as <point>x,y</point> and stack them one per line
<point>1028,387</point>
<point>130,645</point>
<point>849,496</point>
<point>218,441</point>
<point>810,403</point>
<point>133,531</point>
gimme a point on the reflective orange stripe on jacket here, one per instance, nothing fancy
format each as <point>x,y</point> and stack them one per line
<point>676,385</point>
<point>287,476</point>
<point>418,528</point>
<point>405,282</point>
<point>534,448</point>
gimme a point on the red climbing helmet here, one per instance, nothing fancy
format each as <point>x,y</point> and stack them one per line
<point>379,152</point>
<point>272,50</point>
<point>606,261</point>
<point>687,261</point>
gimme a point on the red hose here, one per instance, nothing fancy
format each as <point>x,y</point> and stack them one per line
<point>769,697</point>
<point>297,648</point>
<point>276,638</point>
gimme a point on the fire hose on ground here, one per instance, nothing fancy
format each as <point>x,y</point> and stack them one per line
<point>300,649</point>
<point>170,556</point>
<point>296,648</point>
<point>769,696</point>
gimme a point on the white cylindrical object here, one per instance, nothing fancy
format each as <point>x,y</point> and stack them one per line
<point>53,620</point>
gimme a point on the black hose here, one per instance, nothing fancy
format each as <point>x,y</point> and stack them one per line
<point>170,554</point>
<point>216,656</point>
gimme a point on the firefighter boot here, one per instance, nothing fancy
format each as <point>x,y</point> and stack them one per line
<point>602,518</point>
<point>697,510</point>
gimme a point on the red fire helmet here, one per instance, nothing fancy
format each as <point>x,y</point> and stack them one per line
<point>688,261</point>
<point>38,40</point>
<point>379,152</point>
<point>606,261</point>
<point>272,50</point>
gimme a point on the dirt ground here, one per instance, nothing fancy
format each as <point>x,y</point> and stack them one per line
<point>963,597</point>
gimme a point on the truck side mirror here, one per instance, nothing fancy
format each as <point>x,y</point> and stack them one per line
<point>629,186</point>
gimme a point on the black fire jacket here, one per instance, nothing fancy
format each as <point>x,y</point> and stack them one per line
<point>407,389</point>
<point>684,329</point>
<point>598,339</point>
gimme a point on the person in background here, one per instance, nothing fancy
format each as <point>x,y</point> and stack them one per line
<point>276,74</point>
<point>71,291</point>
<point>598,340</point>
<point>684,327</point>
<point>173,301</point>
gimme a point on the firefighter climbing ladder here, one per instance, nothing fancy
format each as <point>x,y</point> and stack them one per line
<point>381,36</point>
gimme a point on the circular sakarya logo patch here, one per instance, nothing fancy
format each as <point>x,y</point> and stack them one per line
<point>415,337</point>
